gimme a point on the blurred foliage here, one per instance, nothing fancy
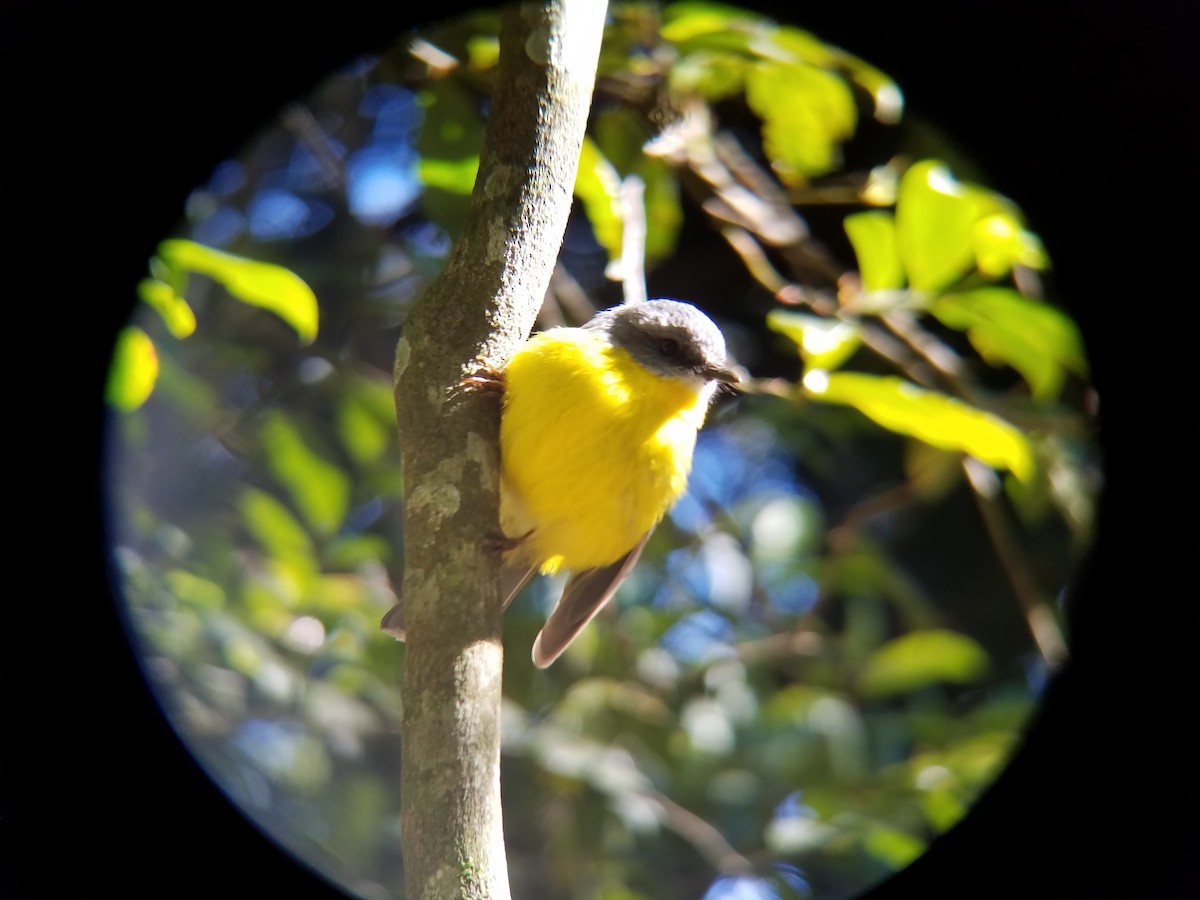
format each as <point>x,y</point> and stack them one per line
<point>835,639</point>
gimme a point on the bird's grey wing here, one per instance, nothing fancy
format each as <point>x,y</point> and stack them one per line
<point>393,621</point>
<point>584,596</point>
<point>512,579</point>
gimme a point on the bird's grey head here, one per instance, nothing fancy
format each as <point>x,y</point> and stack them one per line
<point>669,338</point>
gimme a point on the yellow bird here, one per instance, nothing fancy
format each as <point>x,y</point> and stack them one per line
<point>597,431</point>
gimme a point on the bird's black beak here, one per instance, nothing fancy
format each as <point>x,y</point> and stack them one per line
<point>722,373</point>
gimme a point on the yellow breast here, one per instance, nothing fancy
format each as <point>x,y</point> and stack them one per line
<point>595,449</point>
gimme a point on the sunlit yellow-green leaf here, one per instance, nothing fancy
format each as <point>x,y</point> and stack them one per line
<point>278,532</point>
<point>260,284</point>
<point>352,550</point>
<point>366,426</point>
<point>934,226</point>
<point>922,658</point>
<point>806,114</point>
<point>711,74</point>
<point>448,147</point>
<point>895,847</point>
<point>794,44</point>
<point>598,187</point>
<point>873,236</point>
<point>1038,340</point>
<point>483,52</point>
<point>174,310</point>
<point>941,808</point>
<point>1000,242</point>
<point>194,590</point>
<point>717,25</point>
<point>457,176</point>
<point>888,98</point>
<point>134,370</point>
<point>320,489</point>
<point>824,343</point>
<point>942,421</point>
<point>338,592</point>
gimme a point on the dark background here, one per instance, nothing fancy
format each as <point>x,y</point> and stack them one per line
<point>109,119</point>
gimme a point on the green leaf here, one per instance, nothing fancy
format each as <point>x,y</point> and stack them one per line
<point>873,237</point>
<point>712,25</point>
<point>194,590</point>
<point>134,370</point>
<point>920,659</point>
<point>320,490</point>
<point>260,284</point>
<point>1038,340</point>
<point>824,343</point>
<point>598,187</point>
<point>366,420</point>
<point>449,144</point>
<point>999,242</point>
<point>174,309</point>
<point>894,847</point>
<point>279,534</point>
<point>483,52</point>
<point>935,219</point>
<point>455,176</point>
<point>942,421</point>
<point>806,114</point>
<point>712,74</point>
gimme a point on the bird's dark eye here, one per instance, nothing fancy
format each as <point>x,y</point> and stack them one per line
<point>668,346</point>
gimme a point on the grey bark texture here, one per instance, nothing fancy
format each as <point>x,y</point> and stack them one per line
<point>477,313</point>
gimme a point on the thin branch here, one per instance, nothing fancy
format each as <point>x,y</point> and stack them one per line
<point>938,354</point>
<point>1041,621</point>
<point>300,121</point>
<point>633,240</point>
<point>702,835</point>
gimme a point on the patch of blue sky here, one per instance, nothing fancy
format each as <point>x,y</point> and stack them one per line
<point>789,592</point>
<point>740,460</point>
<point>793,807</point>
<point>362,516</point>
<point>1037,673</point>
<point>396,112</point>
<point>382,183</point>
<point>720,467</point>
<point>794,878</point>
<point>686,569</point>
<point>279,215</point>
<point>701,636</point>
<point>689,514</point>
<point>307,172</point>
<point>227,177</point>
<point>219,229</point>
<point>741,887</point>
<point>426,239</point>
<point>714,573</point>
<point>270,746</point>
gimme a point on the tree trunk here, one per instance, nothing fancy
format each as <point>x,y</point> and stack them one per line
<point>477,313</point>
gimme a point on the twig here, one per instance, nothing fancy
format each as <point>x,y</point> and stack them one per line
<point>300,121</point>
<point>940,356</point>
<point>755,259</point>
<point>1042,624</point>
<point>571,301</point>
<point>633,240</point>
<point>703,836</point>
<point>779,223</point>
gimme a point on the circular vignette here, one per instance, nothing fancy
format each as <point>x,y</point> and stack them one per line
<point>1031,770</point>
